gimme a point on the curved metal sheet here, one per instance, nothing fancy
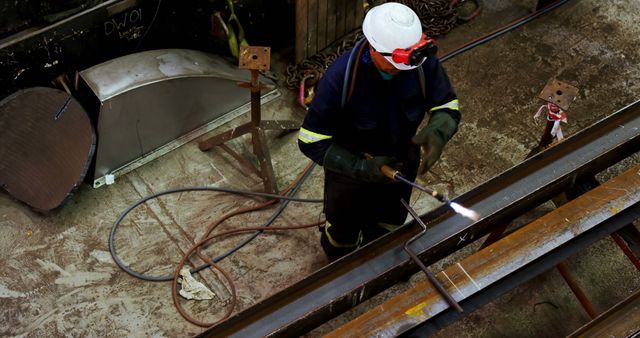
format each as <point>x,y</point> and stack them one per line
<point>154,101</point>
<point>129,72</point>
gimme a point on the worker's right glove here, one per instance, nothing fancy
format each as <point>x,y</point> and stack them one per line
<point>366,169</point>
<point>433,137</point>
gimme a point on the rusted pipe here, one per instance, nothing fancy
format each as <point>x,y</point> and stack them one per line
<point>255,99</point>
<point>625,248</point>
<point>575,288</point>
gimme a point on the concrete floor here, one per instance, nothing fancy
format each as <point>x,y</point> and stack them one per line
<point>58,279</point>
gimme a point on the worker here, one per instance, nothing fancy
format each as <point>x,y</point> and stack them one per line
<point>365,113</point>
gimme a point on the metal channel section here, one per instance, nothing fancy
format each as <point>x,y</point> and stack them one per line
<point>484,269</point>
<point>362,274</point>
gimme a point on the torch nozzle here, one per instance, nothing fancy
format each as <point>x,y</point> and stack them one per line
<point>397,176</point>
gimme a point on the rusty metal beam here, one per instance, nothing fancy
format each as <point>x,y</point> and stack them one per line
<point>362,274</point>
<point>542,265</point>
<point>495,262</point>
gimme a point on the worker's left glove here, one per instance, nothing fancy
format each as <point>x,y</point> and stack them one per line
<point>433,137</point>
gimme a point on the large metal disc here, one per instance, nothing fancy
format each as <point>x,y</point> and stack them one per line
<point>46,146</point>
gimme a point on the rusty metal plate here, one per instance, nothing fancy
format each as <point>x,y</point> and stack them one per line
<point>46,146</point>
<point>560,93</point>
<point>254,57</point>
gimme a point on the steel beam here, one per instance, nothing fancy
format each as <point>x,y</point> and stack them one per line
<point>362,274</point>
<point>480,271</point>
<point>544,264</point>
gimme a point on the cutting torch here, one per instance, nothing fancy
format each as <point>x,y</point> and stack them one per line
<point>397,176</point>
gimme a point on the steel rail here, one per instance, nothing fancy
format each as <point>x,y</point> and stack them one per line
<point>364,273</point>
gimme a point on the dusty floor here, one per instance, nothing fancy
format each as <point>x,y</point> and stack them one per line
<point>58,279</point>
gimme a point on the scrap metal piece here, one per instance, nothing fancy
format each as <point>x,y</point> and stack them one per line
<point>559,93</point>
<point>46,146</point>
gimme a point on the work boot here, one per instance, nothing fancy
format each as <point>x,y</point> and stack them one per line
<point>332,252</point>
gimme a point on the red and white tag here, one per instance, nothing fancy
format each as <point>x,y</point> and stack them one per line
<point>555,114</point>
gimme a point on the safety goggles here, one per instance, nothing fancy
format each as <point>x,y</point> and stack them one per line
<point>415,55</point>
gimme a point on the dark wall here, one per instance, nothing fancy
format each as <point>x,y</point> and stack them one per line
<point>29,57</point>
<point>268,22</point>
<point>21,14</point>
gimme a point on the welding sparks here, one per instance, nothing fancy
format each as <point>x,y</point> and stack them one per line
<point>466,212</point>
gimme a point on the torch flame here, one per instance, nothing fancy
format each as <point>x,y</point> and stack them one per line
<point>466,212</point>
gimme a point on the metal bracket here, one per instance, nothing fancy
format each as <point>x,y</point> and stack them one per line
<point>559,93</point>
<point>254,57</point>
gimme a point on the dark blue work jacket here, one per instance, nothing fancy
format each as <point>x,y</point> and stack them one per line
<point>381,116</point>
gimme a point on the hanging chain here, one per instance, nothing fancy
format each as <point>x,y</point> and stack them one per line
<point>438,17</point>
<point>311,69</point>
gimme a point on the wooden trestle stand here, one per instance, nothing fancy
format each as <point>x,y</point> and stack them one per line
<point>255,59</point>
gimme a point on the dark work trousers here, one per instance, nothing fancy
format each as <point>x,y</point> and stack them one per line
<point>355,211</point>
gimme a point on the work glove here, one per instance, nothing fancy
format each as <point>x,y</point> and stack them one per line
<point>433,137</point>
<point>363,168</point>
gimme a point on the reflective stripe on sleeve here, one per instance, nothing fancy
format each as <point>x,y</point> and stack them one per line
<point>307,136</point>
<point>453,105</point>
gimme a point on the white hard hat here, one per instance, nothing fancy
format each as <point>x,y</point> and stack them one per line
<point>392,25</point>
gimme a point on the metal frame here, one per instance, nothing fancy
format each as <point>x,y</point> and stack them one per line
<point>481,270</point>
<point>621,320</point>
<point>255,59</point>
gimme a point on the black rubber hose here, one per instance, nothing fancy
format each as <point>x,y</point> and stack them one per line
<point>283,204</point>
